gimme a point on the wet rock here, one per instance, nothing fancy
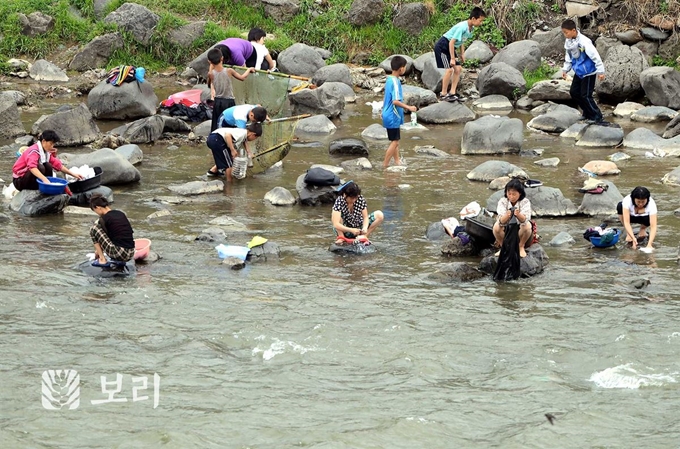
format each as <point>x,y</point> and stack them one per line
<point>42,70</point>
<point>502,79</point>
<point>522,55</point>
<point>446,112</point>
<point>229,224</point>
<point>280,11</point>
<point>575,131</point>
<point>534,152</point>
<point>83,199</point>
<point>602,168</point>
<point>357,164</point>
<point>35,24</point>
<point>562,239</point>
<point>676,212</point>
<point>145,130</point>
<point>136,19</point>
<point>172,148</point>
<point>203,129</point>
<point>325,100</point>
<point>453,247</point>
<point>601,204</point>
<point>317,124</point>
<point>550,162</point>
<point>132,153</point>
<point>534,263</point>
<point>197,187</point>
<point>115,168</point>
<point>626,109</point>
<point>375,131</point>
<point>159,214</point>
<point>661,85</point>
<point>600,136</point>
<point>646,139</point>
<point>299,59</point>
<point>545,202</point>
<point>492,103</point>
<point>524,103</point>
<point>418,97</point>
<point>335,73</point>
<point>412,18</point>
<point>435,231</point>
<point>106,273</point>
<point>623,66</point>
<point>313,195</point>
<point>490,170</point>
<point>629,37</point>
<point>672,129</point>
<point>211,235</point>
<point>430,150</point>
<point>385,65</point>
<point>97,52</point>
<point>365,12</point>
<point>480,51</point>
<point>654,34</point>
<point>234,263</point>
<point>549,90</point>
<point>185,35</point>
<point>75,126</point>
<point>419,62</point>
<point>556,120</point>
<point>354,249</point>
<point>652,114</point>
<point>348,146</point>
<point>499,183</point>
<point>280,196</point>
<point>492,135</point>
<point>127,101</point>
<point>619,156</point>
<point>18,97</point>
<point>267,252</point>
<point>672,178</point>
<point>457,271</point>
<point>10,121</point>
<point>32,203</point>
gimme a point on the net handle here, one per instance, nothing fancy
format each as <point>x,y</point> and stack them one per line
<point>285,119</point>
<point>283,75</point>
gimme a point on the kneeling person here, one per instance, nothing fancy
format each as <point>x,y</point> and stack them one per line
<point>111,234</point>
<point>350,215</point>
<point>224,143</point>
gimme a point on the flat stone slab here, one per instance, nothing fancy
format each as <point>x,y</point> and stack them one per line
<point>646,139</point>
<point>280,196</point>
<point>600,136</point>
<point>550,162</point>
<point>492,103</point>
<point>445,112</point>
<point>197,187</point>
<point>490,170</point>
<point>626,109</point>
<point>430,150</point>
<point>652,114</point>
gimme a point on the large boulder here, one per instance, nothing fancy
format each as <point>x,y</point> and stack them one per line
<point>280,11</point>
<point>445,112</point>
<point>502,79</point>
<point>201,64</point>
<point>629,37</point>
<point>412,18</point>
<point>42,70</point>
<point>18,97</point>
<point>550,42</point>
<point>490,170</point>
<point>35,24</point>
<point>127,101</point>
<point>626,109</point>
<point>600,136</point>
<point>534,263</point>
<point>522,55</point>
<point>313,195</point>
<point>375,131</point>
<point>82,199</point>
<point>316,124</point>
<point>432,75</point>
<point>603,45</point>
<point>280,196</point>
<point>386,64</point>
<point>10,121</point>
<point>556,120</point>
<point>550,90</point>
<point>672,178</point>
<point>623,66</point>
<point>115,168</point>
<point>417,96</point>
<point>492,135</point>
<point>75,126</point>
<point>365,12</point>
<point>334,72</point>
<point>653,114</point>
<point>327,100</point>
<point>672,129</point>
<point>97,53</point>
<point>185,35</point>
<point>661,86</point>
<point>348,147</point>
<point>646,139</point>
<point>419,62</point>
<point>478,50</point>
<point>32,203</point>
<point>144,130</point>
<point>545,202</point>
<point>601,204</point>
<point>299,59</point>
<point>131,152</point>
<point>136,20</point>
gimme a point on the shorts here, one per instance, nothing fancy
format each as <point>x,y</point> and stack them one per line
<point>219,106</point>
<point>220,150</point>
<point>349,235</point>
<point>442,54</point>
<point>393,134</point>
<point>634,219</point>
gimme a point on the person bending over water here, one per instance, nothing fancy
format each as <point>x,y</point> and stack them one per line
<point>112,233</point>
<point>514,197</point>
<point>350,215</point>
<point>638,207</point>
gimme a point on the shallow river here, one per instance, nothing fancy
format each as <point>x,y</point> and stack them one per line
<point>319,350</point>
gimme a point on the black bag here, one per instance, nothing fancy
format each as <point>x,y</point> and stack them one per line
<point>508,266</point>
<point>321,177</point>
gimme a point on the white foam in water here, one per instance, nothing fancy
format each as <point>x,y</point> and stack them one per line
<point>625,376</point>
<point>279,347</point>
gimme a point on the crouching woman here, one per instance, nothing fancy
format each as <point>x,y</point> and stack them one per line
<point>514,204</point>
<point>350,215</point>
<point>111,234</point>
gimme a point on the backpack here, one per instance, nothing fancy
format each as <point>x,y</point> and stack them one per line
<point>321,177</point>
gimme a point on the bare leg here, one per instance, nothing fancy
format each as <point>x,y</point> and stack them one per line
<point>629,238</point>
<point>446,78</point>
<point>524,234</point>
<point>99,253</point>
<point>499,233</point>
<point>378,219</point>
<point>456,77</point>
<point>227,174</point>
<point>392,152</point>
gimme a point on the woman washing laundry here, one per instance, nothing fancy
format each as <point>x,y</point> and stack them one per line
<point>639,208</point>
<point>111,234</point>
<point>350,215</point>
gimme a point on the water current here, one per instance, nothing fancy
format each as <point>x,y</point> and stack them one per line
<point>319,350</point>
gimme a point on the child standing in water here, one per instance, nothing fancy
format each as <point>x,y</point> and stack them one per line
<point>393,109</point>
<point>224,143</point>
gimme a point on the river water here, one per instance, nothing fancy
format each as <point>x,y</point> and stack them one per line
<point>323,351</point>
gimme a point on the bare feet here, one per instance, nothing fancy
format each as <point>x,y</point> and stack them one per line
<point>498,253</point>
<point>102,260</point>
<point>522,253</point>
<point>339,241</point>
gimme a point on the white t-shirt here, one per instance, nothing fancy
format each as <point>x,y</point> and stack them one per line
<point>238,135</point>
<point>650,208</point>
<point>261,51</point>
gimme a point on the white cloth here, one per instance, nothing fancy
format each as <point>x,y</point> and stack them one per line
<point>261,51</point>
<point>650,208</point>
<point>44,155</point>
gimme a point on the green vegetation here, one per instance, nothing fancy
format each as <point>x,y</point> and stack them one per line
<point>471,63</point>
<point>659,61</point>
<point>543,72</point>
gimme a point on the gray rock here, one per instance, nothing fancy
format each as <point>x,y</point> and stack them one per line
<point>25,140</point>
<point>197,187</point>
<point>115,168</point>
<point>533,264</point>
<point>492,135</point>
<point>132,153</point>
<point>234,263</point>
<point>375,131</point>
<point>35,24</point>
<point>629,37</point>
<point>357,164</point>
<point>534,152</point>
<point>185,35</point>
<point>175,125</point>
<point>654,34</point>
<point>10,121</point>
<point>42,70</point>
<point>316,124</point>
<point>550,90</point>
<point>227,223</point>
<point>365,12</point>
<point>500,78</point>
<point>145,130</point>
<point>189,73</point>
<point>522,55</point>
<point>430,150</point>
<point>279,196</point>
<point>623,66</point>
<point>385,65</point>
<point>335,72</point>
<point>100,7</point>
<point>648,49</point>
<point>348,147</point>
<point>432,76</point>
<point>672,129</point>
<point>280,11</point>
<point>550,42</point>
<point>412,18</point>
<point>627,108</point>
<point>172,148</point>
<point>435,231</point>
<point>646,139</point>
<point>446,112</point>
<point>618,156</point>
<point>211,235</point>
<point>661,86</point>
<point>600,136</point>
<point>545,202</point>
<point>32,203</point>
<point>480,51</point>
<point>159,214</point>
<point>97,52</point>
<point>270,251</point>
<point>135,19</point>
<point>18,97</point>
<point>203,129</point>
<point>346,91</point>
<point>670,49</point>
<point>562,239</point>
<point>75,127</point>
<point>575,131</point>
<point>457,272</point>
<point>524,103</point>
<point>601,204</point>
<point>499,183</point>
<point>418,97</point>
<point>353,249</point>
<point>83,199</point>
<point>312,195</point>
<point>201,64</point>
<point>326,100</point>
<point>550,162</point>
<point>652,114</point>
<point>490,170</point>
<point>325,54</point>
<point>672,178</point>
<point>127,101</point>
<point>419,62</point>
<point>603,45</point>
<point>492,103</point>
<point>453,247</point>
<point>556,120</point>
<point>299,59</point>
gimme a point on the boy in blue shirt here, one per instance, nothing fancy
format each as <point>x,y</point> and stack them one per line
<point>449,52</point>
<point>393,109</point>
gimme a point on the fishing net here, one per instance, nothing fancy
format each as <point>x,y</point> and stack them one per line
<point>270,91</point>
<point>275,132</point>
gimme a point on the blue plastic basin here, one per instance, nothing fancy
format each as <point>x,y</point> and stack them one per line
<point>597,243</point>
<point>57,186</point>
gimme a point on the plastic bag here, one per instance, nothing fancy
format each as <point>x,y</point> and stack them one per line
<point>471,210</point>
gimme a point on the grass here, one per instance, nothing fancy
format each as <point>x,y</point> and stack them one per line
<point>543,72</point>
<point>659,61</point>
